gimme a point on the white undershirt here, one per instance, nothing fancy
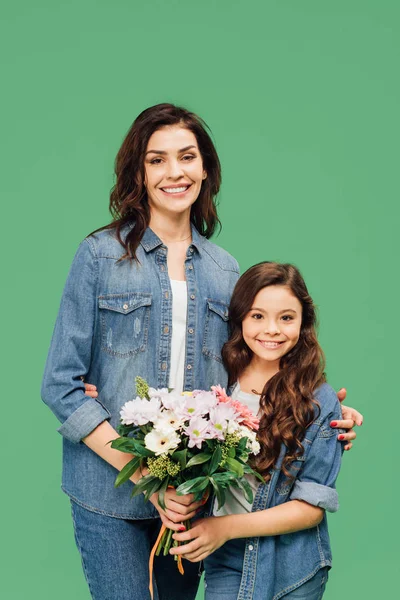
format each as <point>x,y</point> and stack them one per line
<point>178,339</point>
<point>235,502</point>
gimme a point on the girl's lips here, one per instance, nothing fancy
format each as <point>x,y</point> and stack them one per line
<point>270,345</point>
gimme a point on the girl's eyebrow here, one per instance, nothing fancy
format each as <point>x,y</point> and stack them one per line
<point>185,149</point>
<point>280,312</point>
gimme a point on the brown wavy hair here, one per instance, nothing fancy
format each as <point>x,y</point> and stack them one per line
<point>128,198</point>
<point>287,403</point>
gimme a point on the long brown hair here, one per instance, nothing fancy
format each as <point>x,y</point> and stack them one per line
<point>128,199</point>
<point>287,403</point>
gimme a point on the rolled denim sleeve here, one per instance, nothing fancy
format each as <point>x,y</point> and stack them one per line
<point>316,481</point>
<point>70,351</point>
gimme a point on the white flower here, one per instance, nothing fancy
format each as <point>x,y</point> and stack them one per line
<point>254,447</point>
<point>161,442</point>
<point>233,426</point>
<point>140,411</point>
<point>167,419</point>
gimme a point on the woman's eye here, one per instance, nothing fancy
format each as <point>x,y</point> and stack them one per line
<point>155,161</point>
<point>188,157</point>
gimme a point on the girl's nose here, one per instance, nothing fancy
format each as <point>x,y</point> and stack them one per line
<point>272,328</point>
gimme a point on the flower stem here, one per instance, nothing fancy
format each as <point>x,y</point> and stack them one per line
<point>167,544</point>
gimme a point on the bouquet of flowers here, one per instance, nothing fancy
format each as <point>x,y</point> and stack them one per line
<point>197,442</point>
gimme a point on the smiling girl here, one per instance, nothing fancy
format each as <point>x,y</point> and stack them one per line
<point>278,546</point>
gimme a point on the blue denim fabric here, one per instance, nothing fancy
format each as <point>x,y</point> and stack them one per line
<point>115,322</point>
<point>115,559</point>
<point>273,567</point>
<point>224,573</point>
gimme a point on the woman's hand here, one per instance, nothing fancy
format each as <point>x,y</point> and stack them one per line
<point>351,417</point>
<point>206,536</point>
<point>178,508</point>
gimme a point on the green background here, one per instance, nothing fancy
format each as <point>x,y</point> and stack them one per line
<point>303,101</point>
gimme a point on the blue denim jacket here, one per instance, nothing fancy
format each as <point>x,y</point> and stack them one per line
<point>115,322</point>
<point>274,566</point>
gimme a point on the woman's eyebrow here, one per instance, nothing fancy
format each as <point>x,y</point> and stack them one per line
<point>185,149</point>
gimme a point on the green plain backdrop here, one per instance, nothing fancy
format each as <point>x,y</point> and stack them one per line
<point>303,101</point>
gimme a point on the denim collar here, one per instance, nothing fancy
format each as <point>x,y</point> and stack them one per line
<point>150,240</point>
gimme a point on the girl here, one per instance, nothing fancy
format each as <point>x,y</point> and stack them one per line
<point>147,295</point>
<point>279,546</point>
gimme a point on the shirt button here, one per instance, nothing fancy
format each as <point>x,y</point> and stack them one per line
<point>250,547</point>
<point>192,296</point>
<point>191,250</point>
<point>191,330</point>
<point>190,267</point>
<point>125,307</point>
<point>164,366</point>
<point>166,295</point>
<point>162,268</point>
<point>189,367</point>
<point>166,329</point>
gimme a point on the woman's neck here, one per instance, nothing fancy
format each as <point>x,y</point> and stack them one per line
<point>256,375</point>
<point>171,228</point>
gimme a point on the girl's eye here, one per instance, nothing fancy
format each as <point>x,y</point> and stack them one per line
<point>287,318</point>
<point>256,316</point>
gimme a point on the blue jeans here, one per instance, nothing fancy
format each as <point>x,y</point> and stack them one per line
<point>115,556</point>
<point>223,574</point>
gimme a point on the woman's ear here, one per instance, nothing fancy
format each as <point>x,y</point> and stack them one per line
<point>204,174</point>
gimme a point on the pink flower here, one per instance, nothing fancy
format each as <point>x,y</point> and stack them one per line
<point>220,393</point>
<point>197,431</point>
<point>246,417</point>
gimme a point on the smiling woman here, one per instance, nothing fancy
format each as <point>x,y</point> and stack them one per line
<point>152,282</point>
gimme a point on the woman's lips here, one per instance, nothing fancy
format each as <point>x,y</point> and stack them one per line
<point>176,190</point>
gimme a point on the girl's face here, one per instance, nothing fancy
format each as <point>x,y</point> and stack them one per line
<point>272,326</point>
<point>173,170</point>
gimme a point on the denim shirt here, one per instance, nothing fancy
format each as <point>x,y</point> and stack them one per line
<point>115,322</point>
<point>274,566</point>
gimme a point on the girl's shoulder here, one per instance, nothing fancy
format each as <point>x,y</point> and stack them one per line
<point>328,402</point>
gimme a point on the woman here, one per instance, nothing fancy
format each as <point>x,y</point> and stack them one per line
<point>148,295</point>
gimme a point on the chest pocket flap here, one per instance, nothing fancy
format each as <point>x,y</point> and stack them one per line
<point>220,308</point>
<point>124,303</point>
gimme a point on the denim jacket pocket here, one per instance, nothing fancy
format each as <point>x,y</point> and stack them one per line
<point>215,328</point>
<point>285,483</point>
<point>124,322</point>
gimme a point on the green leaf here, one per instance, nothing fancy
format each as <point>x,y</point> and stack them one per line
<point>144,484</point>
<point>193,485</point>
<point>248,492</point>
<point>242,444</point>
<point>226,477</point>
<point>153,488</point>
<point>180,456</point>
<point>123,445</point>
<point>216,459</point>
<point>235,466</point>
<point>127,471</point>
<point>231,452</point>
<point>219,492</point>
<point>198,459</point>
<point>161,493</point>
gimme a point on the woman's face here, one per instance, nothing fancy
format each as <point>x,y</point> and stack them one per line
<point>272,326</point>
<point>174,170</point>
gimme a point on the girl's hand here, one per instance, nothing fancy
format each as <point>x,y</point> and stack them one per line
<point>91,390</point>
<point>206,536</point>
<point>178,508</point>
<point>351,417</point>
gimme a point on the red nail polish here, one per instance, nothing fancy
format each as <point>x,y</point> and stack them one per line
<point>341,437</point>
<point>182,528</point>
<point>333,423</point>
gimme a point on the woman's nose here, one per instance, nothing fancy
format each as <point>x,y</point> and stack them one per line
<point>174,169</point>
